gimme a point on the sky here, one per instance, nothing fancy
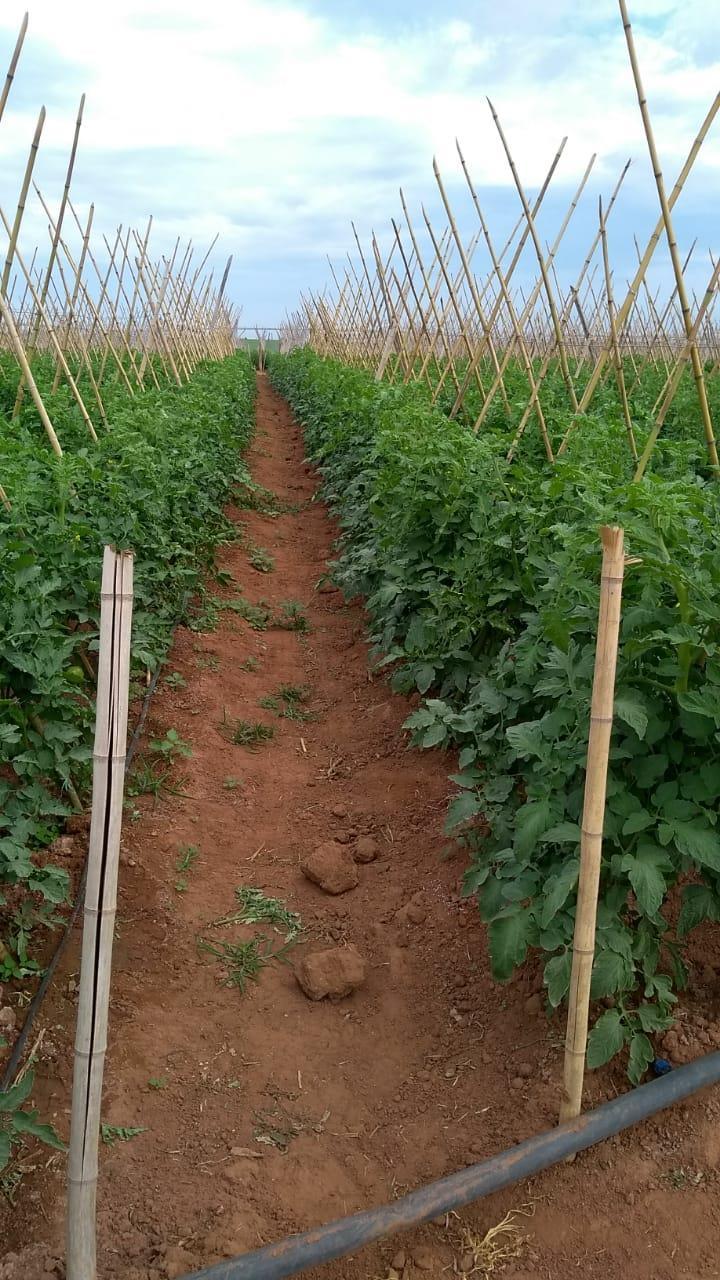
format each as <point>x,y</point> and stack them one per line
<point>276,123</point>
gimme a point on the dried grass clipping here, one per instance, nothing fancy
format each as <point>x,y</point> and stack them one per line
<point>481,1256</point>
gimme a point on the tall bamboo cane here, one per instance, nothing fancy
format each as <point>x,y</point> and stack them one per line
<point>601,718</point>
<point>100,905</point>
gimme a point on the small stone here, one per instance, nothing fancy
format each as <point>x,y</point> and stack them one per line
<point>8,1018</point>
<point>64,846</point>
<point>467,1262</point>
<point>333,973</point>
<point>366,849</point>
<point>416,913</point>
<point>424,1258</point>
<point>533,1004</point>
<point>525,1070</point>
<point>339,811</point>
<point>331,867</point>
<point>399,1262</point>
<point>517,1082</point>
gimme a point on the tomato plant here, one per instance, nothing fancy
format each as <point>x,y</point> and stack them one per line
<point>157,482</point>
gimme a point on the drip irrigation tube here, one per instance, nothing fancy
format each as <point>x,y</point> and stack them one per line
<point>337,1239</point>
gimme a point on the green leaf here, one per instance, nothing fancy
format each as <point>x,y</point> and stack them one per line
<point>424,676</point>
<point>641,1055</point>
<point>605,1040</point>
<point>5,1148</point>
<point>496,790</point>
<point>653,1019</point>
<point>110,1132</point>
<point>13,1099</point>
<point>563,833</point>
<point>531,821</point>
<point>527,739</point>
<point>27,1124</point>
<point>638,821</point>
<point>649,769</point>
<point>509,935</point>
<point>433,736</point>
<point>609,974</point>
<point>701,843</point>
<point>557,890</point>
<point>463,807</point>
<point>645,873</point>
<point>557,977</point>
<point>699,903</point>
<point>701,704</point>
<point>631,708</point>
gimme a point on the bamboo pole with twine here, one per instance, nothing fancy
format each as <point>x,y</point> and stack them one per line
<point>100,902</point>
<point>601,720</point>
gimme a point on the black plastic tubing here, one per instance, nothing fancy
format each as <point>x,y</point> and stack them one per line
<point>346,1235</point>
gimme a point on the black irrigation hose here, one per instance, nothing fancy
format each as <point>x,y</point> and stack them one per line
<point>346,1235</point>
<point>36,1002</point>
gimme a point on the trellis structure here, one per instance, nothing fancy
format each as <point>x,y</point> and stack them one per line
<point>424,311</point>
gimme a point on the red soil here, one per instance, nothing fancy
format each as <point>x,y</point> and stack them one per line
<point>427,1067</point>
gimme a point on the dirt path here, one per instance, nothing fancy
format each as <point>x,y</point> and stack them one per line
<point>263,1112</point>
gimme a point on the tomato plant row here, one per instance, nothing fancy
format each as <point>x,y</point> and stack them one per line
<point>156,482</point>
<point>482,584</point>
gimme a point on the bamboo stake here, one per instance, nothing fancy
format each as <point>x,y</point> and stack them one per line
<point>76,289</point>
<point>497,268</point>
<point>34,146</point>
<point>601,719</point>
<point>470,281</point>
<point>100,905</point>
<point>26,373</point>
<point>454,300</point>
<point>55,243</point>
<point>515,260</point>
<point>96,319</point>
<point>626,307</point>
<point>13,65</point>
<point>54,339</point>
<point>613,337</point>
<point>541,262</point>
<point>672,245</point>
<point>431,294</point>
<point>671,385</point>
